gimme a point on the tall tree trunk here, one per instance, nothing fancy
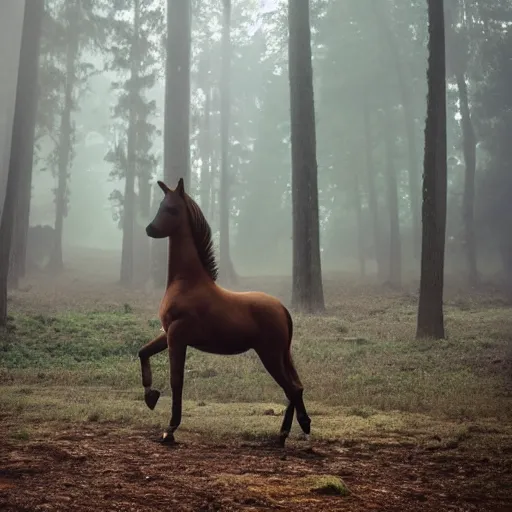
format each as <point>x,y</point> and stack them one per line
<point>56,263</point>
<point>214,167</point>
<point>430,308</point>
<point>213,200</point>
<point>372,192</point>
<point>469,144</point>
<point>226,270</point>
<point>206,156</point>
<point>307,292</point>
<point>395,246</point>
<point>457,58</point>
<point>142,243</point>
<point>127,254</point>
<point>205,145</point>
<point>177,112</point>
<point>356,192</point>
<point>18,256</point>
<point>414,178</point>
<point>158,248</point>
<point>22,135</point>
<point>408,110</point>
<point>177,94</point>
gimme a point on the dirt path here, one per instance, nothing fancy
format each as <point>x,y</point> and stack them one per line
<point>96,468</point>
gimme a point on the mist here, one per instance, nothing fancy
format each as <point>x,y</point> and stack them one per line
<point>351,159</point>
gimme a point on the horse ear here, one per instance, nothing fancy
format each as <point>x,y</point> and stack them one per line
<point>163,186</point>
<point>180,188</point>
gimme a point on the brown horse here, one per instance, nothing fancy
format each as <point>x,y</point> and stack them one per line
<point>196,312</point>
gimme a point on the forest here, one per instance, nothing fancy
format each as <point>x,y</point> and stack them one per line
<point>351,158</point>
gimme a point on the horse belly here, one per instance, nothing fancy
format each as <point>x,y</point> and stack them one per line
<point>222,349</point>
<point>225,338</point>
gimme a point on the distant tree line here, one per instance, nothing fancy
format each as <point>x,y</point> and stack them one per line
<point>299,132</point>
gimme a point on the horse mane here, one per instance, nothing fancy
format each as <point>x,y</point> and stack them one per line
<point>202,235</point>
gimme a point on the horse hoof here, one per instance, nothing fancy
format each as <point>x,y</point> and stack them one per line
<point>282,440</point>
<point>151,398</point>
<point>167,438</point>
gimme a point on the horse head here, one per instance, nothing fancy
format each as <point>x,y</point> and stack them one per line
<point>172,213</point>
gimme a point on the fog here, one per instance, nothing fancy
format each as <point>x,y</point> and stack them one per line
<point>355,67</point>
<point>353,160</point>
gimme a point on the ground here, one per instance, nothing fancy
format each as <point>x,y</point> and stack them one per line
<point>405,425</point>
<point>96,468</point>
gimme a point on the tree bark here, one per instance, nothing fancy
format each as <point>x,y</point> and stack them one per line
<point>430,309</point>
<point>395,246</point>
<point>226,269</point>
<point>372,192</point>
<point>360,227</point>
<point>56,263</point>
<point>177,94</point>
<point>456,57</point>
<point>18,256</point>
<point>469,145</point>
<point>127,254</point>
<point>307,292</point>
<point>206,156</point>
<point>22,136</point>
<point>412,152</point>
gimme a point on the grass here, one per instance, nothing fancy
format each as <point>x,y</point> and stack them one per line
<point>329,485</point>
<point>363,371</point>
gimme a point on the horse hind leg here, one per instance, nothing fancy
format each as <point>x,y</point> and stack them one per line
<point>302,416</point>
<point>155,346</point>
<point>279,369</point>
<point>287,423</point>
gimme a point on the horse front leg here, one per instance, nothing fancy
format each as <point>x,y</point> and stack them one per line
<point>156,346</point>
<point>177,356</point>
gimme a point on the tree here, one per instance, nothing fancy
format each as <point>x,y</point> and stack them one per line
<point>177,112</point>
<point>457,58</point>
<point>372,189</point>
<point>226,270</point>
<point>26,155</point>
<point>204,142</point>
<point>395,246</point>
<point>430,309</point>
<point>134,58</point>
<point>307,292</point>
<point>75,31</point>
<point>177,93</point>
<point>395,52</point>
<point>22,135</point>
<point>493,119</point>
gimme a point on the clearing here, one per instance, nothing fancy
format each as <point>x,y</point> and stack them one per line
<point>405,425</point>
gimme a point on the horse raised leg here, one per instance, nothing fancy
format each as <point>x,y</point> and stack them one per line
<point>283,371</point>
<point>156,346</point>
<point>177,357</point>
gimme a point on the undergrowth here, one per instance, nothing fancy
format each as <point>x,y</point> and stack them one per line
<point>361,355</point>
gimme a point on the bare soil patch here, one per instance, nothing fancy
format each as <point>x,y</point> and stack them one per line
<point>97,467</point>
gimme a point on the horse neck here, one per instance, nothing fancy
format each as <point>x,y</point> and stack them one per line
<point>183,263</point>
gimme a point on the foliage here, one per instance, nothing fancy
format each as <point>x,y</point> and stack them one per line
<point>135,28</point>
<point>58,29</point>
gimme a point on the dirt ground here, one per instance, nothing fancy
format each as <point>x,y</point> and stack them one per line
<point>100,468</point>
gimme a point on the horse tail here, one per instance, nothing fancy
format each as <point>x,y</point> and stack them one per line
<point>290,326</point>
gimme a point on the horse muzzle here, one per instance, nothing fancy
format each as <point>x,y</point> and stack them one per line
<point>153,232</point>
